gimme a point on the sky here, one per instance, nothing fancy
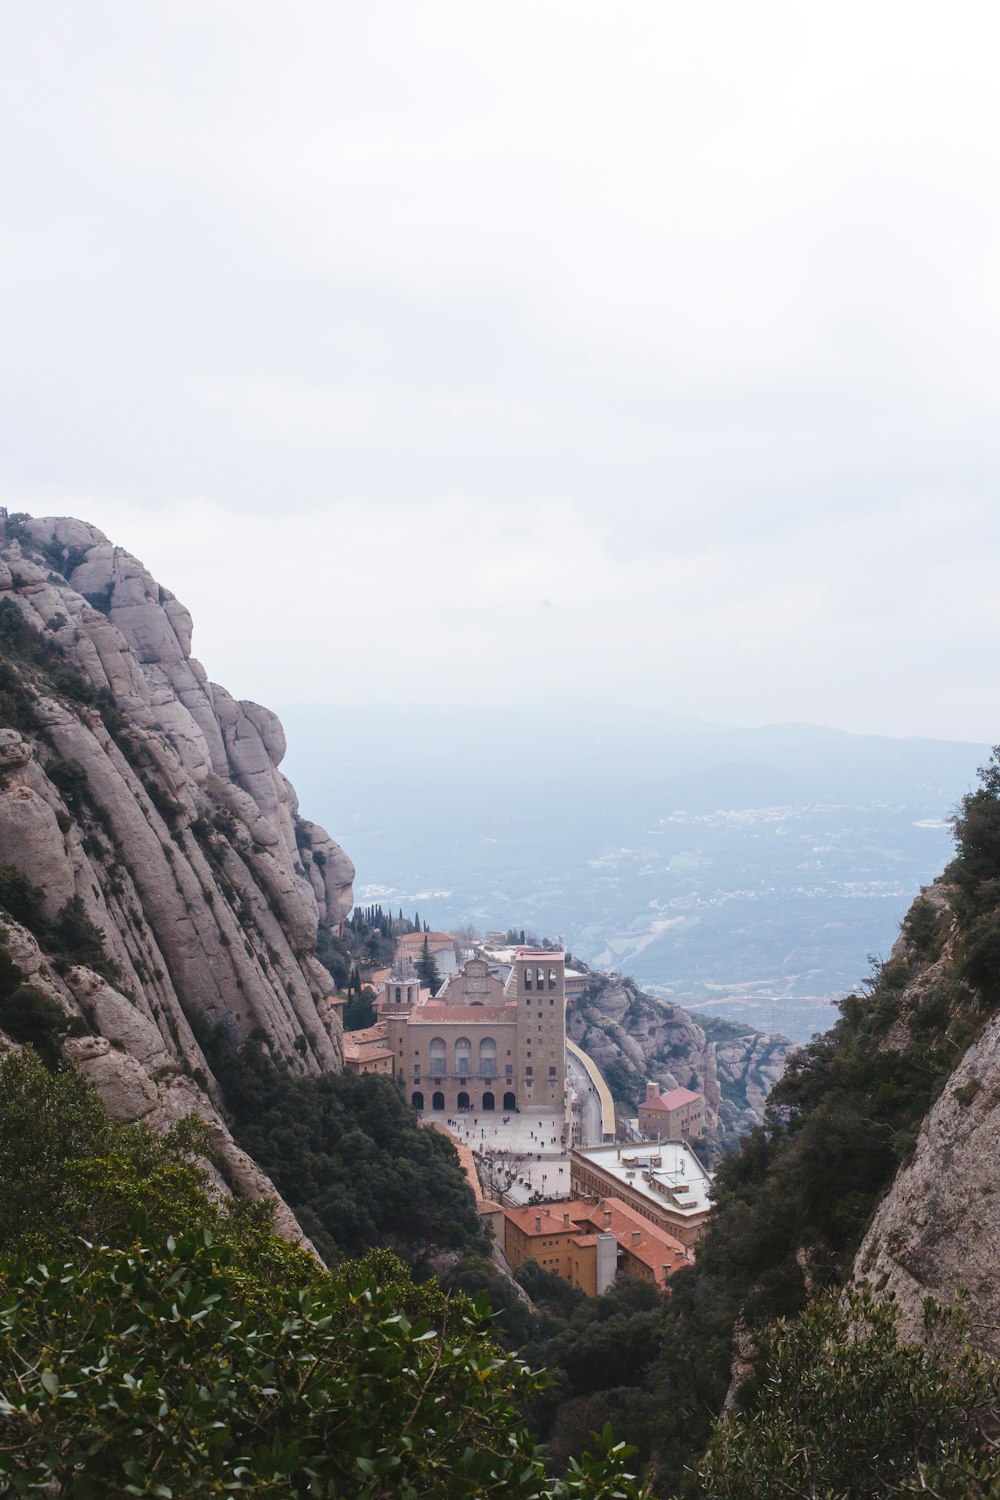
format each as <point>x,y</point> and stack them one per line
<point>645,353</point>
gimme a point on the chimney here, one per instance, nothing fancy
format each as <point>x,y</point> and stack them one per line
<point>652,1091</point>
<point>538,1223</point>
<point>636,1236</point>
<point>565,1221</point>
<point>607,1216</point>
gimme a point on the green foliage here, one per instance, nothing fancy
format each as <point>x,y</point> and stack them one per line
<point>359,1012</point>
<point>923,926</point>
<point>427,969</point>
<point>226,1361</point>
<point>370,935</point>
<point>148,1371</point>
<point>71,779</point>
<point>32,1018</point>
<point>71,938</point>
<point>844,1408</point>
<point>69,1174</point>
<point>347,1153</point>
<point>20,899</point>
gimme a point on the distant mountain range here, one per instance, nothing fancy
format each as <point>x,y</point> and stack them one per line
<point>746,872</point>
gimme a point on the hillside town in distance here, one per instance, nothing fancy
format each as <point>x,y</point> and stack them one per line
<point>485,1058</point>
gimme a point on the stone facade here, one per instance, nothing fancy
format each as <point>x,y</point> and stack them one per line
<point>667,1185</point>
<point>483,1046</point>
<point>677,1115</point>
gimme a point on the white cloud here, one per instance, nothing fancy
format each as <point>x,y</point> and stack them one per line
<point>649,352</point>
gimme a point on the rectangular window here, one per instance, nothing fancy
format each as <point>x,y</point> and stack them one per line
<point>552,1072</point>
<point>528,1071</point>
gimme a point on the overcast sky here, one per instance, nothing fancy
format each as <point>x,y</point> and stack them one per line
<point>649,351</point>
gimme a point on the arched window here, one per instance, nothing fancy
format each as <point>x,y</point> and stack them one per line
<point>527,978</point>
<point>463,1100</point>
<point>417,1100</point>
<point>541,979</point>
<point>463,1057</point>
<point>439,1057</point>
<point>487,1058</point>
<point>489,1102</point>
<point>552,979</point>
<point>437,1102</point>
<point>509,1101</point>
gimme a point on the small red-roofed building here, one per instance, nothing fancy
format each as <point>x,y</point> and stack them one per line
<point>590,1242</point>
<point>368,1051</point>
<point>440,946</point>
<point>676,1115</point>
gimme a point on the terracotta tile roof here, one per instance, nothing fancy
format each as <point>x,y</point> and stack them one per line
<point>415,941</point>
<point>376,1033</point>
<point>524,1218</point>
<point>655,1247</point>
<point>439,1015</point>
<point>671,1100</point>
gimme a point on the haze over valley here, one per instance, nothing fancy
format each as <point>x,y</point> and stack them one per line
<point>746,873</point>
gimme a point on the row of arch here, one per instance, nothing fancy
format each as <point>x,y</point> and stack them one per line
<point>438,1066</point>
<point>464,1102</point>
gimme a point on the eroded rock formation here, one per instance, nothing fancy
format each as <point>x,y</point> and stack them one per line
<point>937,1230</point>
<point>146,803</point>
<point>633,1037</point>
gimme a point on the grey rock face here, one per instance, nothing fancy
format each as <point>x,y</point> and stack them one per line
<point>138,1076</point>
<point>937,1230</point>
<point>162,811</point>
<point>637,1037</point>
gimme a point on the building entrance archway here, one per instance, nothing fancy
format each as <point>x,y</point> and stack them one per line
<point>418,1100</point>
<point>509,1101</point>
<point>463,1100</point>
<point>437,1102</point>
<point>489,1102</point>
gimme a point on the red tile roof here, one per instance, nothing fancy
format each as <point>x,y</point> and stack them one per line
<point>671,1100</point>
<point>415,941</point>
<point>551,1218</point>
<point>656,1248</point>
<point>439,1015</point>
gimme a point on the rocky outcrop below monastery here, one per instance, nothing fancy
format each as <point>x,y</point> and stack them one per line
<point>168,881</point>
<point>634,1037</point>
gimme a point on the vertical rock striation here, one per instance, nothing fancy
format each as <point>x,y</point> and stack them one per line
<point>146,803</point>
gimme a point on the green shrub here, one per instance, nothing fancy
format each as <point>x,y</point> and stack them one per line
<point>844,1408</point>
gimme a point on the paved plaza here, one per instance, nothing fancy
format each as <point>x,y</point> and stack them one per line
<point>539,1134</point>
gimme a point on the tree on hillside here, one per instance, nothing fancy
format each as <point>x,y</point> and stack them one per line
<point>359,1012</point>
<point>499,1168</point>
<point>844,1407</point>
<point>427,969</point>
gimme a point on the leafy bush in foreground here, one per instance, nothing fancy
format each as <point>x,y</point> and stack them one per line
<point>140,1372</point>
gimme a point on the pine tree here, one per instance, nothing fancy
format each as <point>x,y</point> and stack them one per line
<point>427,969</point>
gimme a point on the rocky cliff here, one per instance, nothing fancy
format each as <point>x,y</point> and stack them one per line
<point>161,878</point>
<point>937,1230</point>
<point>633,1037</point>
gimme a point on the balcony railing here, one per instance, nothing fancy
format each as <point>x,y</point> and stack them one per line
<point>467,1077</point>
